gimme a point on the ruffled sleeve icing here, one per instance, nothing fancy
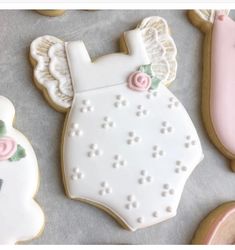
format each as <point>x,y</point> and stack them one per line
<point>51,70</point>
<point>160,48</point>
<point>209,15</point>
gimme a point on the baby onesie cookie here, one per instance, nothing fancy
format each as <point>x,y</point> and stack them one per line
<point>218,228</point>
<point>218,78</point>
<point>21,217</point>
<point>128,143</point>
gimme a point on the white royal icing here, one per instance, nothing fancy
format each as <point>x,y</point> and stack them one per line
<point>53,71</point>
<point>130,152</point>
<point>148,157</point>
<point>21,218</point>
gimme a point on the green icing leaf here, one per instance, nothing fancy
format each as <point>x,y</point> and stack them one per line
<point>19,154</point>
<point>147,69</point>
<point>3,129</point>
<point>155,82</point>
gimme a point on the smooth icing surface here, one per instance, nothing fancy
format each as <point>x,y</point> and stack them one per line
<point>128,151</point>
<point>222,99</point>
<point>20,216</point>
<point>99,74</point>
<point>222,230</point>
<point>218,228</point>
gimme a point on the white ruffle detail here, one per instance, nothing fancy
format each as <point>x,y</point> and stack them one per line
<point>52,71</point>
<point>160,48</point>
<point>209,15</point>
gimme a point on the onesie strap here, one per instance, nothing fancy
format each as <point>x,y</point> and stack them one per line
<point>109,70</point>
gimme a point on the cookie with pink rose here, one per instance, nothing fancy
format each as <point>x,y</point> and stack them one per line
<point>21,217</point>
<point>143,79</point>
<point>129,145</point>
<point>9,150</point>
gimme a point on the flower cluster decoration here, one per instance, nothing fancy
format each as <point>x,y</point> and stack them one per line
<point>143,79</point>
<point>9,149</point>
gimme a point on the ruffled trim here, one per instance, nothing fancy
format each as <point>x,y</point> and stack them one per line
<point>160,48</point>
<point>209,15</point>
<point>51,70</point>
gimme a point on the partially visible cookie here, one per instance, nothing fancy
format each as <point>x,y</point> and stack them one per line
<point>51,13</point>
<point>218,228</point>
<point>21,218</point>
<point>218,88</point>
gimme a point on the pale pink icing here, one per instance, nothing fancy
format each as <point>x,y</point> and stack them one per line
<point>139,81</point>
<point>221,223</point>
<point>221,17</point>
<point>222,95</point>
<point>7,148</point>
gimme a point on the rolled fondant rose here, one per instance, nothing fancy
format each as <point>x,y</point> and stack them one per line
<point>8,148</point>
<point>139,81</point>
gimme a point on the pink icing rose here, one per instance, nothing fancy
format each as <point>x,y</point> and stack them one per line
<point>139,81</point>
<point>8,148</point>
<point>221,17</point>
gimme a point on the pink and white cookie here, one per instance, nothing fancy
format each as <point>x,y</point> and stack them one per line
<point>21,218</point>
<point>218,78</point>
<point>129,145</point>
<point>218,228</point>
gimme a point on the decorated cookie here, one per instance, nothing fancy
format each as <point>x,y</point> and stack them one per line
<point>128,143</point>
<point>51,12</point>
<point>218,78</point>
<point>218,228</point>
<point>21,217</point>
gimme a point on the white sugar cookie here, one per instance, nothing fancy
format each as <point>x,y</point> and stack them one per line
<point>128,143</point>
<point>21,217</point>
